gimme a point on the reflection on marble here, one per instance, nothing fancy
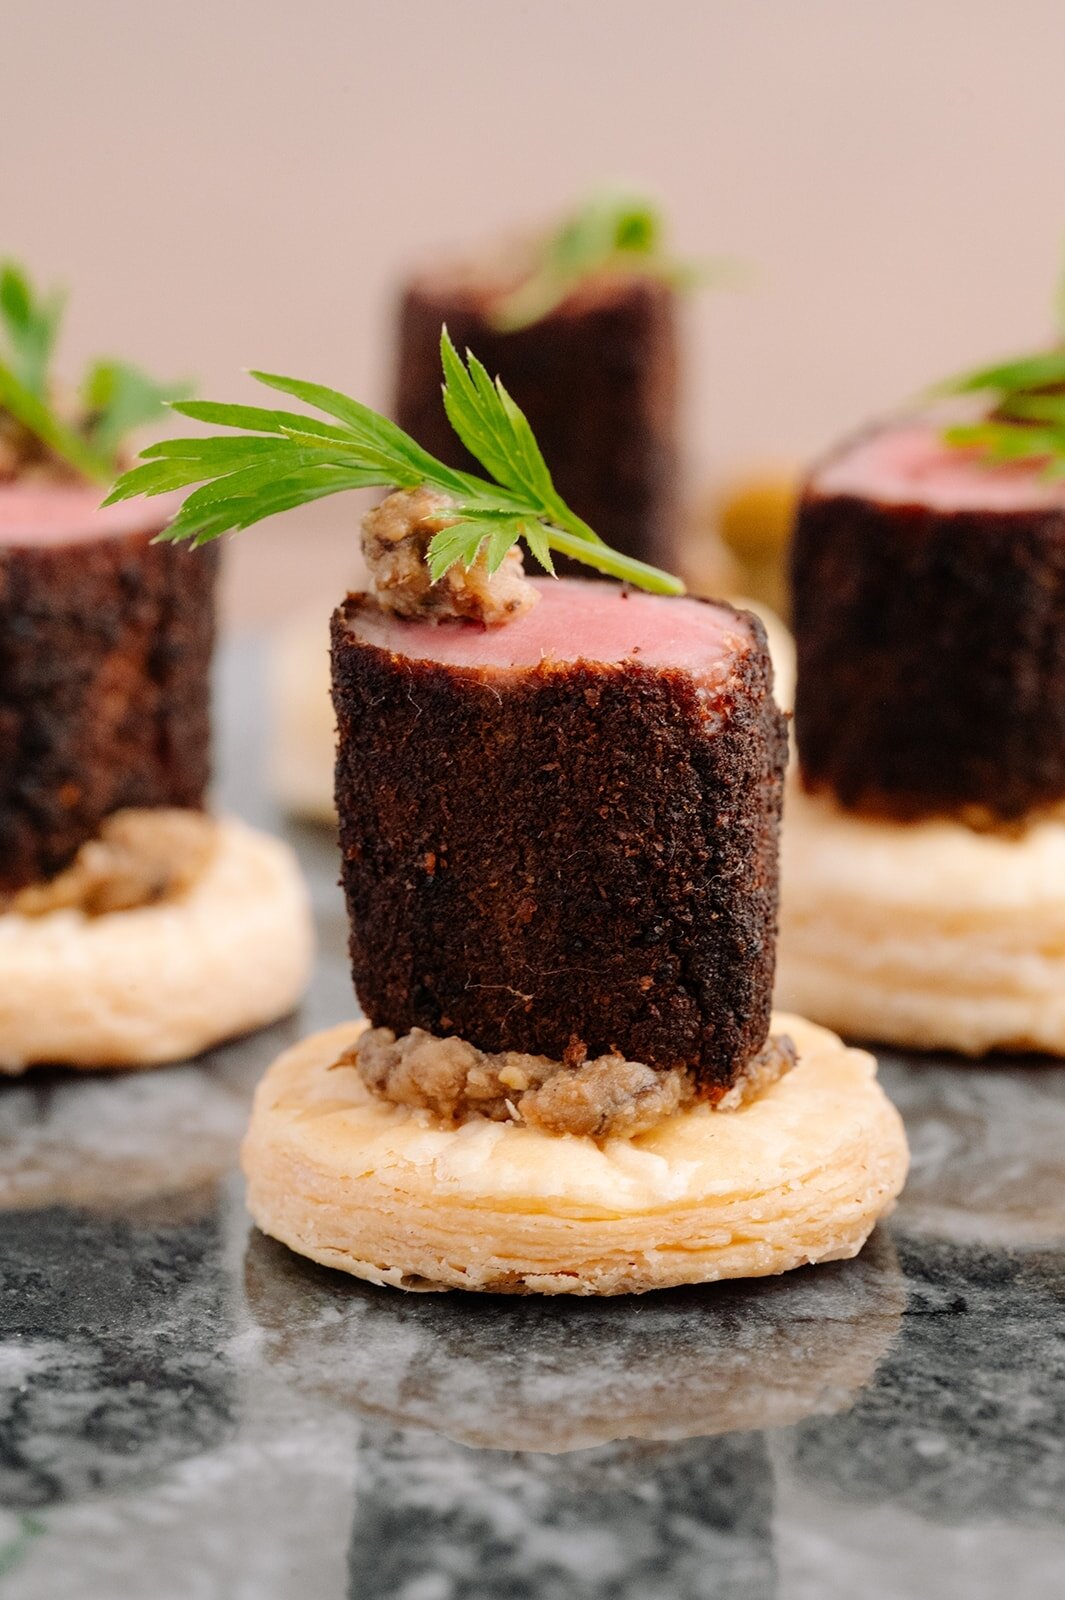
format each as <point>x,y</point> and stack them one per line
<point>560,1374</point>
<point>965,1420</point>
<point>188,1412</point>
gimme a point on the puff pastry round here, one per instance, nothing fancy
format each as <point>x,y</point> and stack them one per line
<point>799,1175</point>
<point>165,981</point>
<point>923,934</point>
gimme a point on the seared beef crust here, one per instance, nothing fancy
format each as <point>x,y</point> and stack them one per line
<point>105,657</point>
<point>597,378</point>
<point>931,658</point>
<point>579,863</point>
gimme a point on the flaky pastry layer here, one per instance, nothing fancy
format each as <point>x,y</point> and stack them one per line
<point>924,934</point>
<point>164,981</point>
<point>799,1175</point>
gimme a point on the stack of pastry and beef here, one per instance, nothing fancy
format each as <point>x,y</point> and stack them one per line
<point>134,927</point>
<point>559,842</point>
<point>559,805</point>
<point>924,858</point>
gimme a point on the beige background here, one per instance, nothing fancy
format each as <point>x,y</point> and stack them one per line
<point>231,184</point>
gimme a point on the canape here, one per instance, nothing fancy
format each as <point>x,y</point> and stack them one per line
<point>924,850</point>
<point>559,805</point>
<point>135,927</point>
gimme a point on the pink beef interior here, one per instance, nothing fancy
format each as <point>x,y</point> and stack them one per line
<point>910,465</point>
<point>55,514</point>
<point>575,621</point>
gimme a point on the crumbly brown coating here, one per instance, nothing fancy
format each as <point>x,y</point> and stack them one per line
<point>105,658</point>
<point>571,860</point>
<point>608,1098</point>
<point>138,859</point>
<point>597,379</point>
<point>931,658</point>
<point>396,536</point>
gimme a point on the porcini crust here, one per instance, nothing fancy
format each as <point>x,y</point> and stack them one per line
<point>105,654</point>
<point>799,1175</point>
<point>579,851</point>
<point>931,655</point>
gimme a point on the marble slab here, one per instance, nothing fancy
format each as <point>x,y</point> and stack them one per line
<point>187,1411</point>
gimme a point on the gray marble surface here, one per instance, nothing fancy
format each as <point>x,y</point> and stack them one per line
<point>189,1412</point>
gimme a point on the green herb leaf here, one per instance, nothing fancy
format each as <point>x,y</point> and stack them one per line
<point>1034,407</point>
<point>459,545</point>
<point>296,488</point>
<point>1008,377</point>
<point>115,397</point>
<point>41,421</point>
<point>494,429</point>
<point>15,1549</point>
<point>611,232</point>
<point>276,460</point>
<point>536,538</point>
<point>1025,422</point>
<point>380,440</point>
<point>255,418</point>
<point>30,324</point>
<point>1003,443</point>
<point>120,398</point>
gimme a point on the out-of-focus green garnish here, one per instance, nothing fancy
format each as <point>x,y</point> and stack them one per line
<point>611,232</point>
<point>113,400</point>
<point>1025,420</point>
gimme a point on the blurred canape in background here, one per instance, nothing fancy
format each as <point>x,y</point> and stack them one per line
<point>923,859</point>
<point>112,863</point>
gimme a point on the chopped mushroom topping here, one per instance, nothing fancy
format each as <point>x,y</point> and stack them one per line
<point>607,1098</point>
<point>138,858</point>
<point>395,539</point>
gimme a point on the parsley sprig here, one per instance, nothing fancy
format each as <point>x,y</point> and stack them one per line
<point>114,397</point>
<point>611,232</point>
<point>282,459</point>
<point>1025,420</point>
